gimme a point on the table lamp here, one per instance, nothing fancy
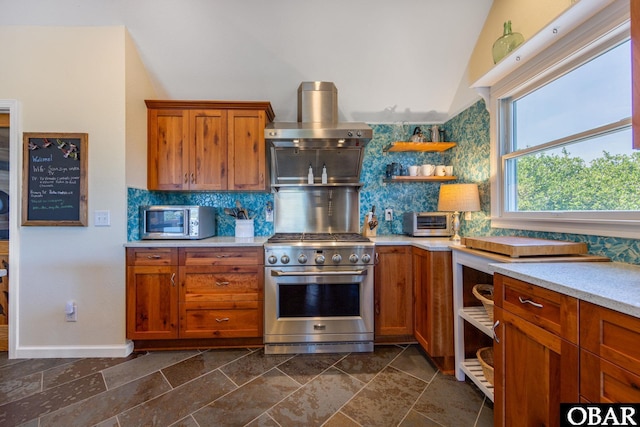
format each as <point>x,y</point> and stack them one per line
<point>458,198</point>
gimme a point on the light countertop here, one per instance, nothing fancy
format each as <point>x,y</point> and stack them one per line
<point>612,285</point>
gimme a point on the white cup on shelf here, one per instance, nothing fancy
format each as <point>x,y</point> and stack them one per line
<point>448,170</point>
<point>427,170</point>
<point>440,170</point>
<point>413,170</point>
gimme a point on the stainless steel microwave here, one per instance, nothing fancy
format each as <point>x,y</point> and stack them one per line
<point>427,224</point>
<point>177,222</point>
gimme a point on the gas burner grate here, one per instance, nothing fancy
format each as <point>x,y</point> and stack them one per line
<point>317,237</point>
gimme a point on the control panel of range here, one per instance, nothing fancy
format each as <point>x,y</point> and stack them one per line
<point>297,256</point>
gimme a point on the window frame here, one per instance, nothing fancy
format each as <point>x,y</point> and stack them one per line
<point>590,38</point>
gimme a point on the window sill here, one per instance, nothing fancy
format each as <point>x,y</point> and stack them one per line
<point>629,229</point>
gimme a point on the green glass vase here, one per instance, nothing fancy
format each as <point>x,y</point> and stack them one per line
<point>505,44</point>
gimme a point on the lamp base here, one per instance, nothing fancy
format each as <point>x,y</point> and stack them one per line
<point>456,228</point>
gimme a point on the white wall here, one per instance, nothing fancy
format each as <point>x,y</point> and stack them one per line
<point>73,80</point>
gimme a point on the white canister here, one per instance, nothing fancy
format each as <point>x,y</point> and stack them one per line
<point>244,227</point>
<point>440,171</point>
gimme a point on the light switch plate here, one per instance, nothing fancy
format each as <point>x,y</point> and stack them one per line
<point>102,218</point>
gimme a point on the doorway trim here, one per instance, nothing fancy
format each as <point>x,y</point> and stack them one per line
<point>15,159</point>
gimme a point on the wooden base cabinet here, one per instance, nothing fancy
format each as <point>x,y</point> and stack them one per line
<point>393,300</point>
<point>535,353</point>
<point>609,356</point>
<point>195,294</point>
<point>433,291</point>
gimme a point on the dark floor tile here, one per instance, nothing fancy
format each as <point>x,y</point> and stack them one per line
<point>248,402</point>
<point>305,367</point>
<point>186,422</point>
<point>341,420</point>
<point>386,399</point>
<point>142,366</point>
<point>111,422</point>
<point>20,411</point>
<point>5,361</point>
<point>200,364</point>
<point>450,402</point>
<point>80,368</point>
<point>249,367</point>
<point>365,366</point>
<point>264,421</point>
<point>413,362</point>
<point>416,419</point>
<point>485,419</point>
<point>179,402</point>
<point>19,388</point>
<point>30,366</point>
<point>108,404</point>
<point>317,401</point>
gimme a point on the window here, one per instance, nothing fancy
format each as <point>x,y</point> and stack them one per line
<point>564,155</point>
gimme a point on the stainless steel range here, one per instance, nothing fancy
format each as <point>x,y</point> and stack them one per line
<point>318,293</point>
<point>318,269</point>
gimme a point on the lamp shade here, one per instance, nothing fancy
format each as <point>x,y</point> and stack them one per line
<point>459,198</point>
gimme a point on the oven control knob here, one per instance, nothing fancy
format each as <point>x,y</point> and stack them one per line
<point>272,259</point>
<point>284,259</point>
<point>353,258</point>
<point>320,259</point>
<point>366,258</point>
<point>336,258</point>
<point>302,259</point>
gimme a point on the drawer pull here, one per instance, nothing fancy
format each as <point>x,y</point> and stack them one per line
<point>186,178</point>
<point>222,283</point>
<point>222,256</point>
<point>154,256</point>
<point>528,301</point>
<point>493,330</point>
<point>224,319</point>
<point>173,279</point>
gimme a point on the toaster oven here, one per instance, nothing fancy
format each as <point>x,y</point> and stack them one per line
<point>427,224</point>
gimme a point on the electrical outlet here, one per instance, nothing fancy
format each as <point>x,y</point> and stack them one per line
<point>388,214</point>
<point>102,218</point>
<point>467,216</point>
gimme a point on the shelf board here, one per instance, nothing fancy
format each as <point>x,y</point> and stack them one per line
<point>400,146</point>
<point>420,178</point>
<point>478,317</point>
<point>473,369</point>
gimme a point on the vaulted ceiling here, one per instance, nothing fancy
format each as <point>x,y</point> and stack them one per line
<point>391,60</point>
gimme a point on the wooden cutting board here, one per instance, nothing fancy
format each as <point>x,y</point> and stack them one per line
<point>524,246</point>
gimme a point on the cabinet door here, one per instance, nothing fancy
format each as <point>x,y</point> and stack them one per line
<point>433,291</point>
<point>208,150</point>
<point>247,151</point>
<point>393,292</point>
<point>167,156</point>
<point>152,302</point>
<point>535,371</point>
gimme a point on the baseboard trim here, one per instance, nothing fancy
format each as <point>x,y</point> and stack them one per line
<point>45,352</point>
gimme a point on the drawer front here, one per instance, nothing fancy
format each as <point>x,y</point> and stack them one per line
<point>152,256</point>
<point>547,309</point>
<point>222,256</point>
<point>605,382</point>
<point>221,320</point>
<point>208,283</point>
<point>612,335</point>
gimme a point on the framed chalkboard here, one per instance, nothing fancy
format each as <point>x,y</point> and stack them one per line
<point>54,179</point>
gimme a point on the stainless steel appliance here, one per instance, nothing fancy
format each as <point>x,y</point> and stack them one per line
<point>427,224</point>
<point>318,293</point>
<point>318,269</point>
<point>177,222</point>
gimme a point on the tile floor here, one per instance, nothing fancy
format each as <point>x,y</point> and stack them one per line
<point>393,386</point>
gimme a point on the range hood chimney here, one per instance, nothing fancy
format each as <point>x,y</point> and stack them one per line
<point>317,139</point>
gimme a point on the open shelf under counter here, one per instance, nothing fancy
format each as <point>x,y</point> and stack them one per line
<point>473,369</point>
<point>420,178</point>
<point>402,146</point>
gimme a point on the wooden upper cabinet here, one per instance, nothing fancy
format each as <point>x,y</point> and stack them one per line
<point>196,145</point>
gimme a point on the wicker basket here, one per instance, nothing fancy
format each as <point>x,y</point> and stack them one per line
<point>485,357</point>
<point>485,294</point>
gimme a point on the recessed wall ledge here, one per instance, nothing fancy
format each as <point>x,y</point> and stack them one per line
<point>573,17</point>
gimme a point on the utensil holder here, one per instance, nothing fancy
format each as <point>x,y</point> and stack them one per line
<point>244,228</point>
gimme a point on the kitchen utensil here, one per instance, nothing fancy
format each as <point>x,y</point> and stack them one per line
<point>435,133</point>
<point>417,135</point>
<point>230,212</point>
<point>241,212</point>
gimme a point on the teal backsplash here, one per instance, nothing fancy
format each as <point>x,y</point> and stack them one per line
<point>470,160</point>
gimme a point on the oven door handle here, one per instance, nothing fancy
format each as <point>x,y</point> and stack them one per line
<point>280,273</point>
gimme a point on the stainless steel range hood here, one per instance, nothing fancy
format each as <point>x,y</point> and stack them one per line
<point>317,139</point>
